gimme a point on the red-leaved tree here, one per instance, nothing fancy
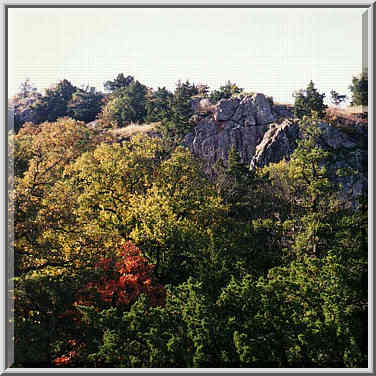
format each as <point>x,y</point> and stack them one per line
<point>122,280</point>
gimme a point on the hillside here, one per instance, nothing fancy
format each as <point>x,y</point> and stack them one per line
<point>191,229</point>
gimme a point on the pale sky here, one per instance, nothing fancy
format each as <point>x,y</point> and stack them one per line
<point>273,51</point>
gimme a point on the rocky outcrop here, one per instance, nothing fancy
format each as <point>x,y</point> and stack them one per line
<point>262,134</point>
<point>234,122</point>
<point>349,152</point>
<point>278,142</point>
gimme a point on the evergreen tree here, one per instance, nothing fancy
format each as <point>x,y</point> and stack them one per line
<point>179,122</point>
<point>359,90</point>
<point>158,105</point>
<point>309,100</point>
<point>119,82</point>
<point>54,103</point>
<point>125,105</point>
<point>85,104</point>
<point>226,91</point>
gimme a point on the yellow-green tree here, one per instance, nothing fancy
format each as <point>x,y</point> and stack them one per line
<point>41,155</point>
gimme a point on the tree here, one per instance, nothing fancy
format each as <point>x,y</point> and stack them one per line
<point>45,274</point>
<point>295,316</point>
<point>85,104</point>
<point>49,148</point>
<point>179,123</point>
<point>54,103</point>
<point>359,90</point>
<point>125,105</point>
<point>22,104</point>
<point>119,82</point>
<point>336,98</point>
<point>158,105</point>
<point>309,100</point>
<point>235,182</point>
<point>226,91</point>
<point>121,280</point>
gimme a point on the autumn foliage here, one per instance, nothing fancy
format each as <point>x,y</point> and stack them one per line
<point>122,280</point>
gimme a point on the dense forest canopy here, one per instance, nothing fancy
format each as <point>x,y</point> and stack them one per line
<point>128,254</point>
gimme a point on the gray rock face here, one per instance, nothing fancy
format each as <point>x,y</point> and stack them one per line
<point>226,109</point>
<point>351,153</point>
<point>246,112</point>
<point>251,110</point>
<point>334,138</point>
<point>202,105</point>
<point>278,142</point>
<point>212,140</point>
<point>263,113</point>
<point>235,122</point>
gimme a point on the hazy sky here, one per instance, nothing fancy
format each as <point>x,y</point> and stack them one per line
<point>274,51</point>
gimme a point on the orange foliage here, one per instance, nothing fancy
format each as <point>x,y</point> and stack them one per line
<point>123,280</point>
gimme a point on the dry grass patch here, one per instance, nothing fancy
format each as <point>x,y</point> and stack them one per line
<point>133,129</point>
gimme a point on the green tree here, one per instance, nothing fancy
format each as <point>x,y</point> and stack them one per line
<point>54,103</point>
<point>85,104</point>
<point>296,316</point>
<point>359,89</point>
<point>125,105</point>
<point>119,82</point>
<point>309,100</point>
<point>179,123</point>
<point>158,105</point>
<point>226,91</point>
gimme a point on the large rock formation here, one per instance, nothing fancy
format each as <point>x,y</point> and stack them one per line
<point>259,134</point>
<point>234,122</point>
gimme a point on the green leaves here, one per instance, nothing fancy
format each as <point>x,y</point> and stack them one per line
<point>308,101</point>
<point>359,89</point>
<point>226,91</point>
<point>125,105</point>
<point>178,123</point>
